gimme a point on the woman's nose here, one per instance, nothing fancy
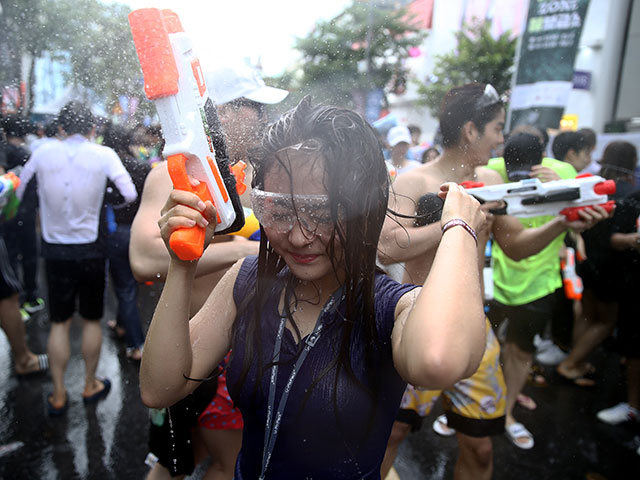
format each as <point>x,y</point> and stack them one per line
<point>299,237</point>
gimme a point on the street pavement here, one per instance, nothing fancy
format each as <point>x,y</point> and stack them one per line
<point>109,440</point>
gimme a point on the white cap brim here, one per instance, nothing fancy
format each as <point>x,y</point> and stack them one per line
<point>268,95</point>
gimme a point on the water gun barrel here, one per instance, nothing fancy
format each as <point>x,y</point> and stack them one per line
<point>194,143</point>
<point>532,198</point>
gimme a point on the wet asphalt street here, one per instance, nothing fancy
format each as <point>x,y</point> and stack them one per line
<point>109,440</point>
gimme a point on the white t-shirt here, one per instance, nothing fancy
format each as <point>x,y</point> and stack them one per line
<point>72,176</point>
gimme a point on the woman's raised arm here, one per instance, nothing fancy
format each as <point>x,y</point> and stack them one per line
<point>439,333</point>
<point>178,349</point>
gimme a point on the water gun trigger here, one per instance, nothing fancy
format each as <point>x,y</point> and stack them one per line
<point>187,243</point>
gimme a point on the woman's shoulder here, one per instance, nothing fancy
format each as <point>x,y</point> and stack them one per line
<point>388,293</point>
<point>248,272</point>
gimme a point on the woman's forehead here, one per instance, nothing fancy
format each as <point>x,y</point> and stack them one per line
<point>304,172</point>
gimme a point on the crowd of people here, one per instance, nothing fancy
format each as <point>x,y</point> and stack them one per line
<point>315,347</point>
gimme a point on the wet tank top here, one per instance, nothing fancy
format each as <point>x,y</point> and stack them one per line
<point>313,441</point>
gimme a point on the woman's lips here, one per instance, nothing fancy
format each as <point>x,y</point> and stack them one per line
<point>304,258</point>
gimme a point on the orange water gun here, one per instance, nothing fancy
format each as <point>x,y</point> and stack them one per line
<point>195,146</point>
<point>572,282</point>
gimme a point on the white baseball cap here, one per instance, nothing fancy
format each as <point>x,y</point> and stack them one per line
<point>398,134</point>
<point>232,81</point>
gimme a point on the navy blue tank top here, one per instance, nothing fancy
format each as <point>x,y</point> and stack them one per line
<point>315,442</point>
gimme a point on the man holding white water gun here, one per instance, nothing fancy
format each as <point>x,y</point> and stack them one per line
<point>525,286</point>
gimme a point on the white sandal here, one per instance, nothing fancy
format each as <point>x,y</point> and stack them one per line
<point>517,431</point>
<point>441,426</point>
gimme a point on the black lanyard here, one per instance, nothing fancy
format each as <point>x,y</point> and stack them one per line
<point>272,427</point>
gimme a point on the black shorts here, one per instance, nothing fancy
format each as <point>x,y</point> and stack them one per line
<point>9,283</point>
<point>524,321</point>
<point>71,280</point>
<point>170,439</point>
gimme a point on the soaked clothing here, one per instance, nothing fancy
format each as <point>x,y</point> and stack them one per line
<point>524,281</point>
<point>72,282</point>
<point>600,271</point>
<point>626,219</point>
<point>474,406</point>
<point>314,440</point>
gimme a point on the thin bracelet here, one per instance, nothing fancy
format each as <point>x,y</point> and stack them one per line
<point>458,222</point>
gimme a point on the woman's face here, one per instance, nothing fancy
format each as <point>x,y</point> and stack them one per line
<point>296,216</point>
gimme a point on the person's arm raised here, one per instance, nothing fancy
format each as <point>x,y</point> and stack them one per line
<point>400,239</point>
<point>178,350</point>
<point>439,334</point>
<point>147,254</point>
<point>519,242</point>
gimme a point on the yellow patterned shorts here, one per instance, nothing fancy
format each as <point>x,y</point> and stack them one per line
<point>474,406</point>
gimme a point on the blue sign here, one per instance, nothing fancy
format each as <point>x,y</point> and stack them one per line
<point>581,80</point>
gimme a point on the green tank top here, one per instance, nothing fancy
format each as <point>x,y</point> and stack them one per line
<point>517,283</point>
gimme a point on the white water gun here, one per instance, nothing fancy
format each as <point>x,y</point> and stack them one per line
<point>533,198</point>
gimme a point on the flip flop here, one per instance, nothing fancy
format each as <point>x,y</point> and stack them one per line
<point>55,411</point>
<point>441,426</point>
<point>586,380</point>
<point>43,367</point>
<point>526,401</point>
<point>536,376</point>
<point>517,431</point>
<point>99,395</point>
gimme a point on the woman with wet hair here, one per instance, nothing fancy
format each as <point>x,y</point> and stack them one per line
<point>322,342</point>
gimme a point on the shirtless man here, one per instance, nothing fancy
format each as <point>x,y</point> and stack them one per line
<point>471,122</point>
<point>241,96</point>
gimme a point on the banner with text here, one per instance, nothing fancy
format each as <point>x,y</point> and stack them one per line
<point>544,77</point>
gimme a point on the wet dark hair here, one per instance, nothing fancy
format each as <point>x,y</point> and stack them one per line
<point>459,107</point>
<point>619,161</point>
<point>51,128</point>
<point>15,126</point>
<point>566,141</point>
<point>521,152</point>
<point>76,117</point>
<point>426,153</point>
<point>414,129</point>
<point>119,138</point>
<point>589,136</point>
<point>357,183</point>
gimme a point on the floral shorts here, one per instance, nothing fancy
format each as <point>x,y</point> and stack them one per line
<point>474,406</point>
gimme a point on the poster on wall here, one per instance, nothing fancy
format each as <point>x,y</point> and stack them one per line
<point>544,76</point>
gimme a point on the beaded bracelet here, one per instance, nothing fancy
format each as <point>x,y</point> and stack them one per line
<point>455,222</point>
